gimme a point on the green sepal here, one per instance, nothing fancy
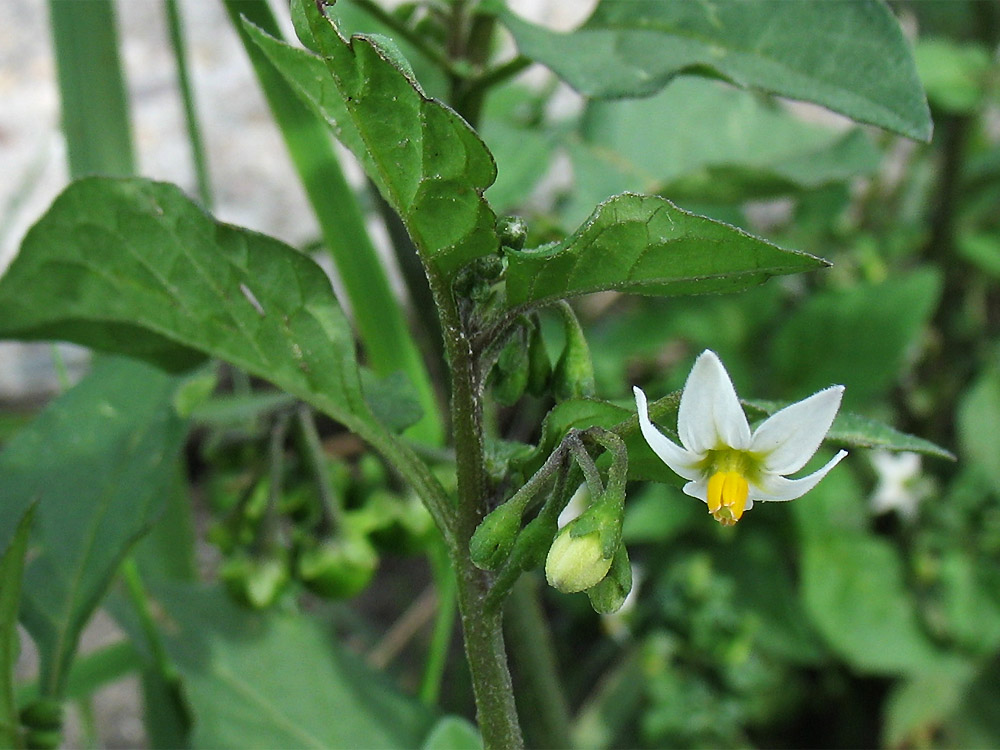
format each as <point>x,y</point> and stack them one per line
<point>574,373</point>
<point>511,372</point>
<point>539,364</point>
<point>534,541</point>
<point>608,596</point>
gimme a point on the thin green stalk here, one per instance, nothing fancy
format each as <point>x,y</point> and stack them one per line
<point>92,92</point>
<point>331,512</point>
<point>140,602</point>
<point>482,628</point>
<point>379,317</point>
<point>176,32</point>
<point>444,624</point>
<point>540,695</point>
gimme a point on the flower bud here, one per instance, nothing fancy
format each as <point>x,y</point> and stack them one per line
<point>255,581</point>
<point>574,373</point>
<point>510,375</point>
<point>610,593</point>
<point>539,365</point>
<point>493,541</point>
<point>575,563</point>
<point>512,231</point>
<point>338,568</point>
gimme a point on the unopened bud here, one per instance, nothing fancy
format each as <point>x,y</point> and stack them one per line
<point>493,541</point>
<point>338,568</point>
<point>575,563</point>
<point>512,231</point>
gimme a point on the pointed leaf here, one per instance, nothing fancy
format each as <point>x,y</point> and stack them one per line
<point>427,162</point>
<point>645,244</point>
<point>257,680</point>
<point>133,266</point>
<point>99,461</point>
<point>847,55</point>
<point>11,573</point>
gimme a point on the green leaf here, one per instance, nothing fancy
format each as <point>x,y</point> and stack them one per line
<point>453,733</point>
<point>849,55</point>
<point>392,400</point>
<point>99,461</point>
<point>255,680</point>
<point>703,139</point>
<point>133,266</point>
<point>978,415</point>
<point>378,315</point>
<point>427,162</point>
<point>645,244</point>
<point>916,708</point>
<point>860,337</point>
<point>854,591</point>
<point>11,574</point>
<point>956,76</point>
<point>854,430</point>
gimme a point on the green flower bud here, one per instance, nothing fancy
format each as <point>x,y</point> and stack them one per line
<point>575,563</point>
<point>493,541</point>
<point>513,231</point>
<point>574,373</point>
<point>608,596</point>
<point>338,568</point>
<point>539,365</point>
<point>254,581</point>
<point>510,375</point>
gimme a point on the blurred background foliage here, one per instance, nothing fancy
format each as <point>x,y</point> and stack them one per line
<point>866,613</point>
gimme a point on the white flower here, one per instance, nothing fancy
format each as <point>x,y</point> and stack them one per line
<point>726,466</point>
<point>901,486</point>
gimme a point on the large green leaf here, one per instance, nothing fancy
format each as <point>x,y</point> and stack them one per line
<point>847,55</point>
<point>426,161</point>
<point>861,337</point>
<point>854,591</point>
<point>645,244</point>
<point>257,680</point>
<point>11,573</point>
<point>135,267</point>
<point>700,139</point>
<point>99,461</point>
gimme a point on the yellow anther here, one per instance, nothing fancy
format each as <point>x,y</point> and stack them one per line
<point>727,496</point>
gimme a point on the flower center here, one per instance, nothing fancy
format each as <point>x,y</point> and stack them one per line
<point>727,496</point>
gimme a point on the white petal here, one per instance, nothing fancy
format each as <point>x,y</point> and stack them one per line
<point>710,415</point>
<point>697,489</point>
<point>682,462</point>
<point>789,438</point>
<point>773,488</point>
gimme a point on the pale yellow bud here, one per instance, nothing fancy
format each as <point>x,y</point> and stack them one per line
<point>576,563</point>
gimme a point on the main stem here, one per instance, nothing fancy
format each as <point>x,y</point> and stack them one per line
<point>482,627</point>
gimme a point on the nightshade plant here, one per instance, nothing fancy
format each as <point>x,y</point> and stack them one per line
<point>133,267</point>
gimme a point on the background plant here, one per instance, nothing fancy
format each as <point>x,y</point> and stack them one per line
<point>889,620</point>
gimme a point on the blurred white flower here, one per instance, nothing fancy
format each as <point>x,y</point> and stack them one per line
<point>726,466</point>
<point>901,486</point>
